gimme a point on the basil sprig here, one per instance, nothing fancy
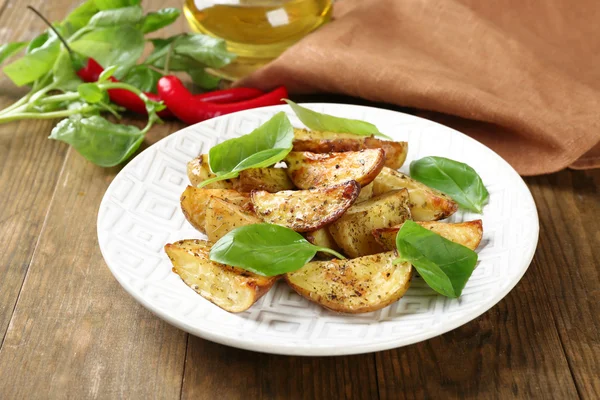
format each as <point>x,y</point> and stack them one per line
<point>265,249</point>
<point>444,265</point>
<point>328,123</point>
<point>453,178</point>
<point>264,146</point>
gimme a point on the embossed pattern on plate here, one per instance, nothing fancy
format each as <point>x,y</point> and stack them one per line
<point>140,213</point>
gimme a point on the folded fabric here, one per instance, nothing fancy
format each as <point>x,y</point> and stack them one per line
<point>521,77</point>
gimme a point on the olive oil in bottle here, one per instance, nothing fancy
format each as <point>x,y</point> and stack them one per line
<point>257,29</point>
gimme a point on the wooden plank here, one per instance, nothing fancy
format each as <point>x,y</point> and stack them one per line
<point>75,333</point>
<point>569,253</point>
<point>512,351</point>
<point>29,168</point>
<point>216,371</point>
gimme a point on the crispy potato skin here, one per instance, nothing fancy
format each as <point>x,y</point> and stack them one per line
<point>269,179</point>
<point>222,217</point>
<point>468,233</point>
<point>327,142</point>
<point>426,204</point>
<point>309,170</point>
<point>232,289</point>
<point>353,231</point>
<point>194,202</point>
<point>198,171</point>
<point>359,285</point>
<point>305,210</point>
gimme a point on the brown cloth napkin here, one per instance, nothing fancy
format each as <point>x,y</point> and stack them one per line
<point>522,77</point>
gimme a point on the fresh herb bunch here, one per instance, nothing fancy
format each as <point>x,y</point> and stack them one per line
<point>112,33</point>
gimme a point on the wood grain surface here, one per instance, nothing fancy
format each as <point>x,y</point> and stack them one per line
<point>68,330</point>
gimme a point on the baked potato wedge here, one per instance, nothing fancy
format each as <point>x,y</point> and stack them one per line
<point>322,238</point>
<point>353,231</point>
<point>359,285</point>
<point>194,201</point>
<point>309,170</point>
<point>269,179</point>
<point>233,289</point>
<point>366,193</point>
<point>222,217</point>
<point>305,210</point>
<point>198,171</point>
<point>468,233</point>
<point>426,204</point>
<point>327,142</point>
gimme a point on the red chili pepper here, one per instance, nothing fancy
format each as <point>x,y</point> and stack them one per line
<point>229,95</point>
<point>191,110</point>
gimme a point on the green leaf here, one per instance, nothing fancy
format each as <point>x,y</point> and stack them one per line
<point>143,78</point>
<point>454,178</point>
<point>445,266</point>
<point>203,79</point>
<point>264,249</point>
<point>34,65</point>
<point>9,49</point>
<point>328,123</point>
<point>120,16</point>
<point>264,146</point>
<point>119,45</point>
<point>64,75</point>
<point>107,73</point>
<point>98,140</point>
<point>110,4</point>
<point>37,42</point>
<point>91,93</point>
<point>159,19</point>
<point>210,51</point>
<point>79,17</point>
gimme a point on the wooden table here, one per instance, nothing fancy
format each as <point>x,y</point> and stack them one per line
<point>68,330</point>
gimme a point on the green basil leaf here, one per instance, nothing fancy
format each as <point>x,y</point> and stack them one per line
<point>80,16</point>
<point>91,93</point>
<point>264,249</point>
<point>159,19</point>
<point>33,65</point>
<point>143,78</point>
<point>118,45</point>
<point>203,79</point>
<point>111,4</point>
<point>264,146</point>
<point>209,51</point>
<point>9,49</point>
<point>120,16</point>
<point>445,266</point>
<point>64,75</point>
<point>453,178</point>
<point>98,140</point>
<point>328,123</point>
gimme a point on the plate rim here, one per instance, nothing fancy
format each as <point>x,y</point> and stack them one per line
<point>327,350</point>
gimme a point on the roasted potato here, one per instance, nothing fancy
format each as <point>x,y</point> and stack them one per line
<point>468,234</point>
<point>353,231</point>
<point>365,193</point>
<point>353,286</point>
<point>426,204</point>
<point>194,202</point>
<point>232,289</point>
<point>198,171</point>
<point>327,142</point>
<point>322,238</point>
<point>223,217</point>
<point>305,210</point>
<point>269,179</point>
<point>309,170</point>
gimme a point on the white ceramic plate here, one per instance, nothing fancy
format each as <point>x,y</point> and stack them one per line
<point>140,213</point>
